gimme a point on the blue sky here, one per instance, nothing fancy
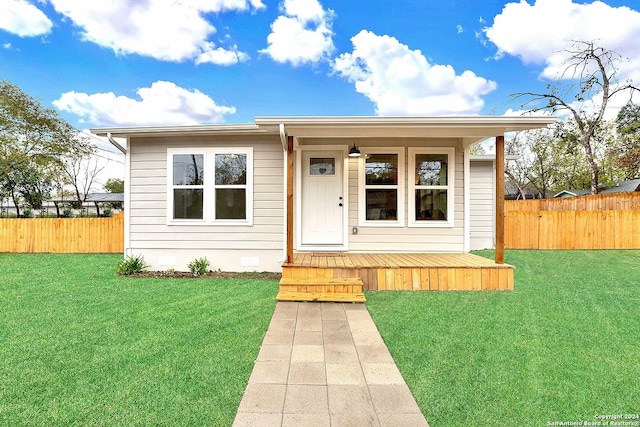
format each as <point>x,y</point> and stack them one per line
<point>170,62</point>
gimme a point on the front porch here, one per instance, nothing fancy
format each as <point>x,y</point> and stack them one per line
<point>323,274</point>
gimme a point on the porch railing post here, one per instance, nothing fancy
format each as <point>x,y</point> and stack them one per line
<point>499,255</point>
<point>289,199</point>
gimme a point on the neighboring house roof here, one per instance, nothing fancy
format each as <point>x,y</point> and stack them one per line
<point>571,193</point>
<point>94,197</point>
<point>105,197</point>
<point>624,187</point>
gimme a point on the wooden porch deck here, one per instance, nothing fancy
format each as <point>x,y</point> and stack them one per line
<point>400,271</point>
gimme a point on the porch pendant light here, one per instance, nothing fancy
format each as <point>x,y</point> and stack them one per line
<point>354,152</point>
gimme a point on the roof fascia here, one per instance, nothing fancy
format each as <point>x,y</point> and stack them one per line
<point>471,128</point>
<point>224,129</point>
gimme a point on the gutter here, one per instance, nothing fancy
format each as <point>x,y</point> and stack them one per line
<point>115,144</point>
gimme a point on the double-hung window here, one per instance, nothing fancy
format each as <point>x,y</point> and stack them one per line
<point>210,186</point>
<point>381,188</point>
<point>431,184</point>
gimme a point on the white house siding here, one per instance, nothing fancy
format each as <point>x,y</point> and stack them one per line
<point>408,239</point>
<point>229,248</point>
<point>482,209</point>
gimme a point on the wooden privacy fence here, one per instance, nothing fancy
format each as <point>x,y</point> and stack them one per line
<point>608,221</point>
<point>63,235</point>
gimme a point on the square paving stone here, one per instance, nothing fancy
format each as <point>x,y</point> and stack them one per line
<point>374,354</point>
<point>349,399</point>
<point>245,419</point>
<point>338,337</point>
<point>307,373</point>
<point>345,374</point>
<point>382,373</point>
<point>306,399</point>
<point>263,398</point>
<point>279,324</point>
<point>308,338</point>
<point>307,353</point>
<point>305,420</point>
<point>281,337</point>
<point>273,372</point>
<point>274,353</point>
<point>402,420</point>
<point>393,399</point>
<point>367,338</point>
<point>340,354</point>
<point>354,420</point>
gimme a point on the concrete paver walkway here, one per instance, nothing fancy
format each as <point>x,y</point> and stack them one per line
<point>325,364</point>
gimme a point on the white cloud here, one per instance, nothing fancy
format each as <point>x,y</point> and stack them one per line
<point>168,30</point>
<point>23,19</point>
<point>302,35</point>
<point>220,56</point>
<point>538,33</point>
<point>164,103</point>
<point>402,81</point>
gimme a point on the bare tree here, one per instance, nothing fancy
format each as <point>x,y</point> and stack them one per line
<point>593,72</point>
<point>80,172</point>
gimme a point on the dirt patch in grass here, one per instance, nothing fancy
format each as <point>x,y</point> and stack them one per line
<point>252,275</point>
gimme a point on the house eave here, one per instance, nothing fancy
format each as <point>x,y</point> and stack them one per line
<point>155,131</point>
<point>470,128</point>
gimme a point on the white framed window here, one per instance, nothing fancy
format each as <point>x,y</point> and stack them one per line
<point>431,187</point>
<point>210,186</point>
<point>381,187</point>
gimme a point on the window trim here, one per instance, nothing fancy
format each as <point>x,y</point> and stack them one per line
<point>209,186</point>
<point>362,187</point>
<point>450,187</point>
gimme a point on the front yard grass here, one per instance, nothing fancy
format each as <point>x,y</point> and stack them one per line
<point>563,346</point>
<point>82,346</point>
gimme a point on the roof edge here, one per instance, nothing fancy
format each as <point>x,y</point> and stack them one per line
<point>247,128</point>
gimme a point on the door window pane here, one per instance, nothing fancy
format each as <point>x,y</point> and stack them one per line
<point>187,203</point>
<point>381,169</point>
<point>382,204</point>
<point>231,169</point>
<point>322,166</point>
<point>231,203</point>
<point>431,205</point>
<point>188,169</point>
<point>431,169</point>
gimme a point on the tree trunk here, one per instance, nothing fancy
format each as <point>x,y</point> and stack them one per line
<point>595,171</point>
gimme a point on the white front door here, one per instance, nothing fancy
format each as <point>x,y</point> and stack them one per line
<point>322,199</point>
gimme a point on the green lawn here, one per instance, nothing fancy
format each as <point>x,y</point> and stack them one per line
<point>563,346</point>
<point>81,346</point>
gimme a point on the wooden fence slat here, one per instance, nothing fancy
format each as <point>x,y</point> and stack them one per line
<point>63,235</point>
<point>604,221</point>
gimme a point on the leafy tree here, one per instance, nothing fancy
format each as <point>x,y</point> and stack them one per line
<point>114,185</point>
<point>33,142</point>
<point>595,70</point>
<point>627,149</point>
<point>547,163</point>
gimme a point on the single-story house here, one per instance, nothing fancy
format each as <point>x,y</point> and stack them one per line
<point>628,186</point>
<point>575,192</point>
<point>265,195</point>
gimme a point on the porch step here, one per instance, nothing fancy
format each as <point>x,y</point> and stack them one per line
<point>321,289</point>
<point>320,297</point>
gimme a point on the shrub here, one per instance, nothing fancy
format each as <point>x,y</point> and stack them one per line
<point>131,265</point>
<point>199,267</point>
<point>107,212</point>
<point>67,212</point>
